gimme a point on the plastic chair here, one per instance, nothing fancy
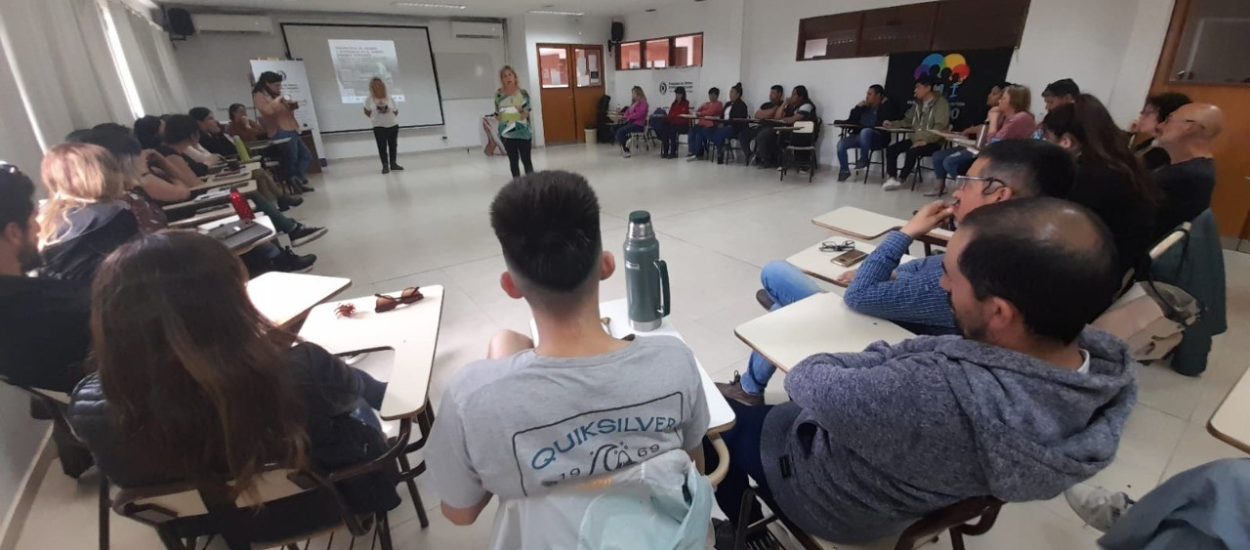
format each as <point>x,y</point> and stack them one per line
<point>957,519</point>
<point>806,129</point>
<point>183,512</point>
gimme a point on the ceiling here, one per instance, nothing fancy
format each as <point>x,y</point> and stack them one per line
<point>473,8</point>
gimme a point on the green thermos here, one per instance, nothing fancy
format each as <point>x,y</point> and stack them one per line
<point>646,275</point>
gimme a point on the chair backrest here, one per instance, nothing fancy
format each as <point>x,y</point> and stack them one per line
<point>956,518</point>
<point>804,127</point>
<point>1170,241</point>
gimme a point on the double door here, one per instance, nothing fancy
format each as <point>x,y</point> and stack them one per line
<point>571,84</point>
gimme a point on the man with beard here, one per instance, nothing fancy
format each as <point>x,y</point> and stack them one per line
<point>43,322</point>
<point>1028,402</point>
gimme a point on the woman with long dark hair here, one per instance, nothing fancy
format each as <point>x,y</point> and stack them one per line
<point>1109,179</point>
<point>512,108</point>
<point>192,383</point>
<point>381,109</point>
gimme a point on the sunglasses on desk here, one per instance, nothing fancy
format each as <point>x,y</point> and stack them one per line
<point>384,303</point>
<point>833,246</point>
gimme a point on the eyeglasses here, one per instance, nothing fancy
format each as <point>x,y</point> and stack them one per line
<point>384,302</point>
<point>831,246</point>
<point>961,181</point>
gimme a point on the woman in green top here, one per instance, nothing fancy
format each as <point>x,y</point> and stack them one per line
<point>512,108</point>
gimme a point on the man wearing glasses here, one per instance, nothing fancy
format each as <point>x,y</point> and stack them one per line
<point>1188,135</point>
<point>911,294</point>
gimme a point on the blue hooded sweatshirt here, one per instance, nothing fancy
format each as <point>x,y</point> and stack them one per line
<point>872,441</point>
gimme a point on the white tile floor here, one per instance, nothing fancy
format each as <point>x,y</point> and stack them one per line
<point>717,226</point>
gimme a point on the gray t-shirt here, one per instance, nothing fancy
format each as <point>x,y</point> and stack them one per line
<point>519,426</point>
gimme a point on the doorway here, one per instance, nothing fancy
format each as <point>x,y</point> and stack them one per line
<point>571,84</point>
<point>1196,61</point>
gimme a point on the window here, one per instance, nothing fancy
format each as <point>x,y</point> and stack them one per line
<point>688,50</point>
<point>630,56</point>
<point>1214,30</point>
<point>588,68</point>
<point>553,64</point>
<point>657,53</point>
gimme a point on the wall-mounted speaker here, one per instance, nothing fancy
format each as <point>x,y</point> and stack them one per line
<point>180,23</point>
<point>618,31</point>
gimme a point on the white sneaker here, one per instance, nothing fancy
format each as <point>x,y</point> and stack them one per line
<point>691,158</point>
<point>626,154</point>
<point>1097,507</point>
<point>891,185</point>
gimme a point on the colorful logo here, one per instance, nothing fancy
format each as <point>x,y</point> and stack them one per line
<point>949,69</point>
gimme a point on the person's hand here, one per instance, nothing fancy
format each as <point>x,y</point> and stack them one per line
<point>153,159</point>
<point>887,124</point>
<point>927,219</point>
<point>918,143</point>
<point>1132,128</point>
<point>847,277</point>
<point>863,103</point>
<point>995,111</point>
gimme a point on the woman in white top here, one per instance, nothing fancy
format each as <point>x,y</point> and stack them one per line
<point>385,115</point>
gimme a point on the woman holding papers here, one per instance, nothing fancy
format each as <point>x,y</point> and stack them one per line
<point>385,114</point>
<point>512,108</point>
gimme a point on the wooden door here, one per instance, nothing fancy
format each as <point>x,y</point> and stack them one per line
<point>1231,202</point>
<point>559,117</point>
<point>587,86</point>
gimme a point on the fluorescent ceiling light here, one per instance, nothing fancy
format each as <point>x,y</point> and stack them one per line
<point>556,12</point>
<point>430,5</point>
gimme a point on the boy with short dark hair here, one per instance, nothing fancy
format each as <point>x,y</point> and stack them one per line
<point>528,420</point>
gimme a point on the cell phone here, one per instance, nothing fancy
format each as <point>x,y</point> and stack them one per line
<point>849,258</point>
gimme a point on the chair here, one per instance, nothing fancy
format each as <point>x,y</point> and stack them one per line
<point>646,136</point>
<point>407,473</point>
<point>918,175</point>
<point>957,519</point>
<point>289,505</point>
<point>803,140</point>
<point>878,153</point>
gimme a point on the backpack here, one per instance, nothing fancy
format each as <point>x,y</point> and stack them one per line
<point>1151,318</point>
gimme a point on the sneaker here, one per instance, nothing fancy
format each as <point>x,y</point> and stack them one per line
<point>304,188</point>
<point>733,390</point>
<point>290,200</point>
<point>1098,507</point>
<point>386,169</point>
<point>626,154</point>
<point>891,185</point>
<point>396,167</point>
<point>765,300</point>
<point>291,262</point>
<point>302,234</point>
<point>691,158</point>
<point>843,176</point>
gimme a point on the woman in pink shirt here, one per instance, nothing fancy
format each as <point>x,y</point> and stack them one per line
<point>701,132</point>
<point>635,120</point>
<point>1016,121</point>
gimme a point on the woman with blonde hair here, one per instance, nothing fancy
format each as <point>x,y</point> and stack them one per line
<point>385,115</point>
<point>635,119</point>
<point>86,216</point>
<point>512,108</point>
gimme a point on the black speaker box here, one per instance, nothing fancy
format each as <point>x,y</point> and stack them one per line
<point>618,31</point>
<point>180,22</point>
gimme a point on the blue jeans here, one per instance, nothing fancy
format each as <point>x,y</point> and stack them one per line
<point>952,162</point>
<point>786,285</point>
<point>867,141</point>
<point>696,140</point>
<point>298,157</point>
<point>622,134</point>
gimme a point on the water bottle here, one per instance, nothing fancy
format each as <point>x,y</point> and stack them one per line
<point>241,207</point>
<point>646,275</point>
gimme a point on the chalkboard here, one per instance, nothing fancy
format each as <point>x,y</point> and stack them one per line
<point>466,75</point>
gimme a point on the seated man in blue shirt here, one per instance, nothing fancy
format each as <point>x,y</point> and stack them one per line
<point>868,114</point>
<point>911,294</point>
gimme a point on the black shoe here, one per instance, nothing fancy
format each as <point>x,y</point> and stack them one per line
<point>302,234</point>
<point>765,300</point>
<point>733,390</point>
<point>304,188</point>
<point>286,203</point>
<point>290,262</point>
<point>843,176</point>
<point>396,167</point>
<point>386,169</point>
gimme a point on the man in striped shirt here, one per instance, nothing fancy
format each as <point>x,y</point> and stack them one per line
<point>911,294</point>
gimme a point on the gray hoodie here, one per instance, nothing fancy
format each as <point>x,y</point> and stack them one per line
<point>872,441</point>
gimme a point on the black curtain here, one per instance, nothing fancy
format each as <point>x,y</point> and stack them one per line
<point>967,77</point>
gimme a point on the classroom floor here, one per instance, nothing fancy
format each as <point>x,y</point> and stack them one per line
<point>717,226</point>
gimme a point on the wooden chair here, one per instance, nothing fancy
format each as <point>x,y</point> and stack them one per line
<point>292,505</point>
<point>806,137</point>
<point>957,518</point>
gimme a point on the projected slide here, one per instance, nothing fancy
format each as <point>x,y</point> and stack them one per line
<point>356,62</point>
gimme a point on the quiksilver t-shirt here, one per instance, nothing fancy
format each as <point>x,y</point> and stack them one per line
<point>520,426</point>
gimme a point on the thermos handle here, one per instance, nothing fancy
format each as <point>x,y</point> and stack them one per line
<point>662,266</point>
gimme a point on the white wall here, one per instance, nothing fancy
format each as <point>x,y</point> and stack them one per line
<point>1110,47</point>
<point>527,31</point>
<point>721,24</point>
<point>216,68</point>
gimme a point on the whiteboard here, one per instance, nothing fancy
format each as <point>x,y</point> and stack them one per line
<point>467,75</point>
<point>414,87</point>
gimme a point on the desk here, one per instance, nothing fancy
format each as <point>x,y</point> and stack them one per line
<point>260,219</point>
<point>1231,421</point>
<point>225,183</point>
<point>204,217</point>
<point>959,140</point>
<point>720,415</point>
<point>201,202</point>
<point>819,324</point>
<point>816,263</point>
<point>867,225</point>
<point>411,331</point>
<point>284,298</point>
<point>265,143</point>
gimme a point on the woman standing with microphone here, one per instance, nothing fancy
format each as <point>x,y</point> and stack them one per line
<point>385,115</point>
<point>512,108</point>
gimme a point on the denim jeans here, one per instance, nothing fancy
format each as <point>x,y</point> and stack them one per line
<point>622,134</point>
<point>298,157</point>
<point>719,137</point>
<point>786,285</point>
<point>867,140</point>
<point>952,162</point>
<point>696,140</point>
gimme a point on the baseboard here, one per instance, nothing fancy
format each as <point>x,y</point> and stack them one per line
<point>15,516</point>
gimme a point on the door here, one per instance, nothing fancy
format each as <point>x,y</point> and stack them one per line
<point>1197,61</point>
<point>571,85</point>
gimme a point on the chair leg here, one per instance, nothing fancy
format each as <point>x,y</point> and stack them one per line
<point>413,492</point>
<point>104,512</point>
<point>383,526</point>
<point>169,539</point>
